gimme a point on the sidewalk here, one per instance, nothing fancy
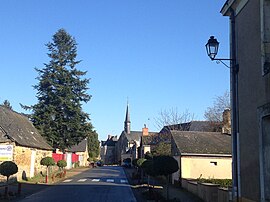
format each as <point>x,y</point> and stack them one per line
<point>28,189</point>
<point>175,193</point>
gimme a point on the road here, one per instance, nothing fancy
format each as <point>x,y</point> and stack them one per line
<point>102,184</point>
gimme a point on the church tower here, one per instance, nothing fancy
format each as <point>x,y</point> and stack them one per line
<point>127,122</point>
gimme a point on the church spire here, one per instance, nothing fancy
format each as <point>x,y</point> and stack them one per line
<point>127,121</point>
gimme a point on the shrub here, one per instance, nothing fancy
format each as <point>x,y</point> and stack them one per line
<point>8,168</point>
<point>76,164</point>
<point>140,162</point>
<point>47,161</point>
<point>61,164</point>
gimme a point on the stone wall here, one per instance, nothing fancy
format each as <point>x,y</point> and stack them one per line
<point>207,192</point>
<point>22,157</point>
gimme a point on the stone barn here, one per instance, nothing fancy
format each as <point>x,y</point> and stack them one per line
<point>21,143</point>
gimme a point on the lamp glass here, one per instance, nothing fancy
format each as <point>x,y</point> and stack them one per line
<point>212,47</point>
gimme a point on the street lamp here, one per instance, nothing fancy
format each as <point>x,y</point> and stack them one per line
<point>212,50</point>
<point>212,47</point>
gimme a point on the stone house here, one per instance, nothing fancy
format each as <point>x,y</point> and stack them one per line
<point>201,154</point>
<point>107,150</point>
<point>150,140</point>
<point>251,22</point>
<point>21,143</point>
<point>80,153</point>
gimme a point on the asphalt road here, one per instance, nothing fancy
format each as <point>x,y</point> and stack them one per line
<point>103,184</point>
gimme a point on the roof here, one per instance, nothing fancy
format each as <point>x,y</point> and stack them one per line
<point>81,147</point>
<point>197,142</point>
<point>111,141</point>
<point>19,129</point>
<point>206,126</point>
<point>154,138</point>
<point>134,135</point>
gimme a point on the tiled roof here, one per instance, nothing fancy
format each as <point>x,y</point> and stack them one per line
<point>134,135</point>
<point>197,142</point>
<point>155,138</point>
<point>111,141</point>
<point>206,126</point>
<point>19,129</point>
<point>81,147</point>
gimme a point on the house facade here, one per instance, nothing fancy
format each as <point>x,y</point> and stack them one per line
<point>81,152</point>
<point>108,151</point>
<point>201,154</point>
<point>251,21</point>
<point>21,143</point>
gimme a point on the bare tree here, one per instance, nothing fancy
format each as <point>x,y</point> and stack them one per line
<point>215,112</point>
<point>172,117</point>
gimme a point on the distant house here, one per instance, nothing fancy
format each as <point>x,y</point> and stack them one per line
<point>107,150</point>
<point>80,153</point>
<point>150,140</point>
<point>21,142</point>
<point>202,154</point>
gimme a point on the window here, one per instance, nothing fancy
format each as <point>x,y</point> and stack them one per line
<point>213,163</point>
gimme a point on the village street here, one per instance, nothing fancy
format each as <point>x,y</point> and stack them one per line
<point>108,183</point>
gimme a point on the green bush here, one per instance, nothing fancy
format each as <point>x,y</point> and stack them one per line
<point>222,182</point>
<point>61,164</point>
<point>76,164</point>
<point>140,162</point>
<point>47,161</point>
<point>8,168</point>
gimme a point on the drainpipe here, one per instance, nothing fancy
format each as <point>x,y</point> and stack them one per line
<point>235,110</point>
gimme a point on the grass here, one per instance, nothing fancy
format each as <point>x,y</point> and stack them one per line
<point>222,182</point>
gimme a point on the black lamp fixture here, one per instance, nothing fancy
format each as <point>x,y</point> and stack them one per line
<point>212,50</point>
<point>212,47</point>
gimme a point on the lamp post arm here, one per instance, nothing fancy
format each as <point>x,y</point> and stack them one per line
<point>221,60</point>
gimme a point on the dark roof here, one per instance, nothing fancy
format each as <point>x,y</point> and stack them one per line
<point>111,141</point>
<point>19,129</point>
<point>81,147</point>
<point>197,142</point>
<point>205,126</point>
<point>154,138</point>
<point>134,135</point>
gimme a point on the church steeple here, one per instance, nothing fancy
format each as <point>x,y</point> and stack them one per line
<point>127,121</point>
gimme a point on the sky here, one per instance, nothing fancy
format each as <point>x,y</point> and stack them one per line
<point>149,53</point>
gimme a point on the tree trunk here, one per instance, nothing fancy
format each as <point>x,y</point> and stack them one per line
<point>47,174</point>
<point>6,190</point>
<point>167,191</point>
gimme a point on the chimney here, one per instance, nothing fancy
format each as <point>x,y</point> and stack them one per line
<point>145,131</point>
<point>226,125</point>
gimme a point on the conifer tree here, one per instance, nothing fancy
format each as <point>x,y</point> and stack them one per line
<point>61,89</point>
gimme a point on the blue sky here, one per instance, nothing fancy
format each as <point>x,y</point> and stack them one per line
<point>151,51</point>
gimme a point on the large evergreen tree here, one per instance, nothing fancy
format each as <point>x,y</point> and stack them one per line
<point>60,91</point>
